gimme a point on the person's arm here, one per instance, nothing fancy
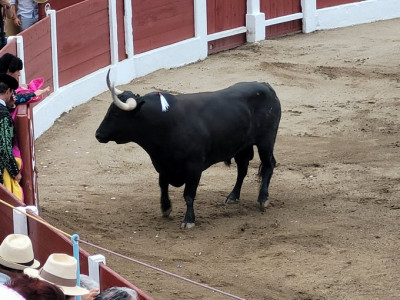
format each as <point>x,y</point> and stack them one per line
<point>92,294</point>
<point>5,2</point>
<point>41,92</point>
<point>7,8</point>
<point>23,97</point>
<point>6,147</point>
<point>13,14</point>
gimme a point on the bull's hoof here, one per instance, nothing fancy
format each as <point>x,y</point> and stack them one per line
<point>231,201</point>
<point>187,225</point>
<point>167,212</point>
<point>263,205</point>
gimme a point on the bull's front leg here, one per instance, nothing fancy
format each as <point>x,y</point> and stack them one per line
<point>190,194</point>
<point>166,206</point>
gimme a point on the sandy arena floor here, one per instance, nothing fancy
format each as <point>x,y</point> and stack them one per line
<point>332,231</point>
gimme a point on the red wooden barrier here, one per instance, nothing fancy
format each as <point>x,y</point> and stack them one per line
<point>6,213</point>
<point>279,8</point>
<point>223,15</point>
<point>83,39</point>
<point>109,279</point>
<point>37,52</point>
<point>11,47</point>
<point>26,142</point>
<point>159,23</point>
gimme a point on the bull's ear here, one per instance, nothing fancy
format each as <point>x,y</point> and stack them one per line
<point>139,105</point>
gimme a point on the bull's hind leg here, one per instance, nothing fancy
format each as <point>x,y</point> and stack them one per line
<point>166,206</point>
<point>242,160</point>
<point>265,172</point>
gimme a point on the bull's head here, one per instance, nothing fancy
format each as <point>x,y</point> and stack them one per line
<point>117,122</point>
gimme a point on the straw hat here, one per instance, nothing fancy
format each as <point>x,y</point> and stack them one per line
<point>16,252</point>
<point>60,269</point>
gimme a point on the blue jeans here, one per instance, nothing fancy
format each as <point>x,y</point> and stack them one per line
<point>28,22</point>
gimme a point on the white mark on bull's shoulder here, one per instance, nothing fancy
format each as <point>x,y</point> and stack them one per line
<point>164,103</point>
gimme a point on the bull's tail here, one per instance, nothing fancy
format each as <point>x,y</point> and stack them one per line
<point>261,168</point>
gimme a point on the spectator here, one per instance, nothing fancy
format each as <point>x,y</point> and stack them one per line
<point>60,269</point>
<point>26,15</point>
<point>34,288</point>
<point>7,159</point>
<point>5,11</point>
<point>117,293</point>
<point>16,254</point>
<point>12,65</point>
<point>113,293</point>
<point>88,283</point>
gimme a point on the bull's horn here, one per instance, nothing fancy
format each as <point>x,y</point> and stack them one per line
<point>130,103</point>
<point>117,91</point>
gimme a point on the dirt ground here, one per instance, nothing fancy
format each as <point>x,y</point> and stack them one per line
<point>332,231</point>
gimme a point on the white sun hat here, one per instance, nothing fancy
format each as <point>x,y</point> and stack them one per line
<point>16,252</point>
<point>60,269</point>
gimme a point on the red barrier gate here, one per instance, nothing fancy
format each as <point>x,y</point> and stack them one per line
<point>26,142</point>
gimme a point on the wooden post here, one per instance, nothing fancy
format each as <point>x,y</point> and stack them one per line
<point>26,143</point>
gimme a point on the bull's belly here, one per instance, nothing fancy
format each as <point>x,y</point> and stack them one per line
<point>179,169</point>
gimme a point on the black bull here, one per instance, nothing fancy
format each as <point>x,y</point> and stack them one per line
<point>197,131</point>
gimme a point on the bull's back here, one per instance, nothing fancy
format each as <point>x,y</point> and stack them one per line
<point>228,120</point>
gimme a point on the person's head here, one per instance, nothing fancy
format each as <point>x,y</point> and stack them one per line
<point>16,253</point>
<point>7,85</point>
<point>11,65</point>
<point>60,269</point>
<point>120,293</point>
<point>34,288</point>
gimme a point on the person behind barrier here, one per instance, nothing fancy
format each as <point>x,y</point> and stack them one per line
<point>113,293</point>
<point>5,11</point>
<point>34,288</point>
<point>16,254</point>
<point>12,65</point>
<point>26,15</point>
<point>7,159</point>
<point>117,293</point>
<point>60,269</point>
